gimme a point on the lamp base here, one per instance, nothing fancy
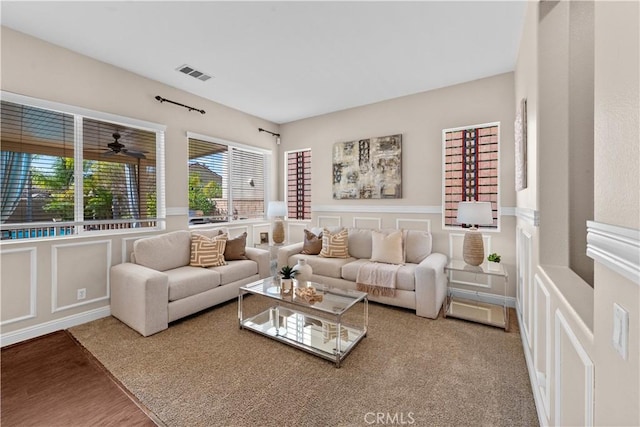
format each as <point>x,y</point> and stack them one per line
<point>278,231</point>
<point>473,248</point>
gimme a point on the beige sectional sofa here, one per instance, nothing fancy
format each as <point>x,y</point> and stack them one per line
<point>159,286</point>
<point>421,283</point>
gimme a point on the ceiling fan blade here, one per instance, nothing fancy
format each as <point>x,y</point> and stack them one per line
<point>136,154</point>
<point>108,153</point>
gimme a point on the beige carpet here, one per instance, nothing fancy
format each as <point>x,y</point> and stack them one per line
<point>204,371</point>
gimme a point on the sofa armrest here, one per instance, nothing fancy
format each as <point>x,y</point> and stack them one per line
<point>263,258</point>
<point>287,251</point>
<point>140,297</point>
<point>431,285</point>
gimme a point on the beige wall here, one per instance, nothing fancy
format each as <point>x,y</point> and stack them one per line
<point>577,376</point>
<point>420,118</point>
<point>40,278</point>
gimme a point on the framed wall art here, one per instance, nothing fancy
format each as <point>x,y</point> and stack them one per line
<point>368,168</point>
<point>521,145</point>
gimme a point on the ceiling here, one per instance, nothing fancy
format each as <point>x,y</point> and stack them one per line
<point>284,61</point>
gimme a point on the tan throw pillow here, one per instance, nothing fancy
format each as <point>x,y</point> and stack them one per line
<point>387,248</point>
<point>312,244</point>
<point>207,252</point>
<point>235,248</point>
<point>335,245</point>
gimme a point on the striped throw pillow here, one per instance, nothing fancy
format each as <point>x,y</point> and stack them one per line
<point>335,245</point>
<point>207,252</point>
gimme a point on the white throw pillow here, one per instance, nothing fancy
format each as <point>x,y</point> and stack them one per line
<point>387,248</point>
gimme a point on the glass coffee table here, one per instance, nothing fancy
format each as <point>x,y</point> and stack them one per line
<point>329,325</point>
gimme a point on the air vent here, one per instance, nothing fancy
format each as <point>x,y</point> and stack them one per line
<point>189,70</point>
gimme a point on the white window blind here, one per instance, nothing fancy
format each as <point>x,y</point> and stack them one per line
<point>226,183</point>
<point>45,193</point>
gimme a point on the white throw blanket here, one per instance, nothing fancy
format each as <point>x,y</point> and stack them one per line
<point>377,279</point>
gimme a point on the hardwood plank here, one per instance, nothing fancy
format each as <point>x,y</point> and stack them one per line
<point>53,381</point>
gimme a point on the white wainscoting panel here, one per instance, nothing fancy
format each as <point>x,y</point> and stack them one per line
<point>79,265</point>
<point>367,222</point>
<point>414,224</point>
<point>23,283</point>
<point>329,221</point>
<point>295,230</point>
<point>524,281</point>
<point>574,380</point>
<point>127,247</point>
<point>542,342</point>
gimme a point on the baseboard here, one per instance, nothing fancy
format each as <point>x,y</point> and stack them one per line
<point>533,377</point>
<point>53,325</point>
<point>482,297</point>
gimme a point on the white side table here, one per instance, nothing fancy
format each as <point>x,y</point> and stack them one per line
<point>476,311</point>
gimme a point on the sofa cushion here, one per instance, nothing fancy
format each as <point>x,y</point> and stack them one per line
<point>329,267</point>
<point>235,248</point>
<point>186,281</point>
<point>387,247</point>
<point>236,270</point>
<point>405,280</point>
<point>312,244</point>
<point>163,252</point>
<point>360,243</point>
<point>417,245</point>
<point>207,252</point>
<point>335,245</point>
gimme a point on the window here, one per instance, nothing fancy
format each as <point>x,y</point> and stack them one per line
<point>227,182</point>
<point>299,184</point>
<point>62,174</point>
<point>470,169</point>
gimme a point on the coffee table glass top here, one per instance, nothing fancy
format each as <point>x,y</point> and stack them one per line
<point>334,300</point>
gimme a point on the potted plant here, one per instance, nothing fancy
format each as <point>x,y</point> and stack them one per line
<point>286,281</point>
<point>494,262</point>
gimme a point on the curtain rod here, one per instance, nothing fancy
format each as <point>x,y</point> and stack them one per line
<point>161,99</point>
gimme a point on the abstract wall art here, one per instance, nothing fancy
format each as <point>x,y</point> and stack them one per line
<point>368,168</point>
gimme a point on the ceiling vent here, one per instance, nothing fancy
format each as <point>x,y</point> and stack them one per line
<point>191,71</point>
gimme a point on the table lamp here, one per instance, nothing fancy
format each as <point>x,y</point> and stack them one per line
<point>474,214</point>
<point>277,210</point>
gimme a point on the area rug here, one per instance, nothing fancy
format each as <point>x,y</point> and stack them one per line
<point>205,371</point>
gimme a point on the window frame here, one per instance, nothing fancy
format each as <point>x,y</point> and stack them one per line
<point>267,155</point>
<point>79,113</point>
<point>484,229</point>
<point>286,181</point>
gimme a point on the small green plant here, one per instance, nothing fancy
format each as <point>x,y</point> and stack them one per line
<point>494,257</point>
<point>287,272</point>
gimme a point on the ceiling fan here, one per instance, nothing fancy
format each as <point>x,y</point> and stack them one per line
<point>116,147</point>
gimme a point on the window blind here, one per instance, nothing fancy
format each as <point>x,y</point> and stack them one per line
<point>471,170</point>
<point>299,184</point>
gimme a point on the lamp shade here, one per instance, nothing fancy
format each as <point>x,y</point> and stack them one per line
<point>475,213</point>
<point>277,209</point>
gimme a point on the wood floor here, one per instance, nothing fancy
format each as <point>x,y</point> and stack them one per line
<point>53,381</point>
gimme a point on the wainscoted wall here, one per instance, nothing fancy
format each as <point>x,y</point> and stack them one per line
<point>40,279</point>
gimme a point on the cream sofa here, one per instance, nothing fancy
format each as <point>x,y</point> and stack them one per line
<point>159,286</point>
<point>421,281</point>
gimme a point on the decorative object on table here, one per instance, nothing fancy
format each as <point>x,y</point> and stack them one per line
<point>494,262</point>
<point>264,238</point>
<point>368,168</point>
<point>286,281</point>
<point>309,294</point>
<point>303,272</point>
<point>521,145</point>
<point>474,213</point>
<point>277,210</point>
